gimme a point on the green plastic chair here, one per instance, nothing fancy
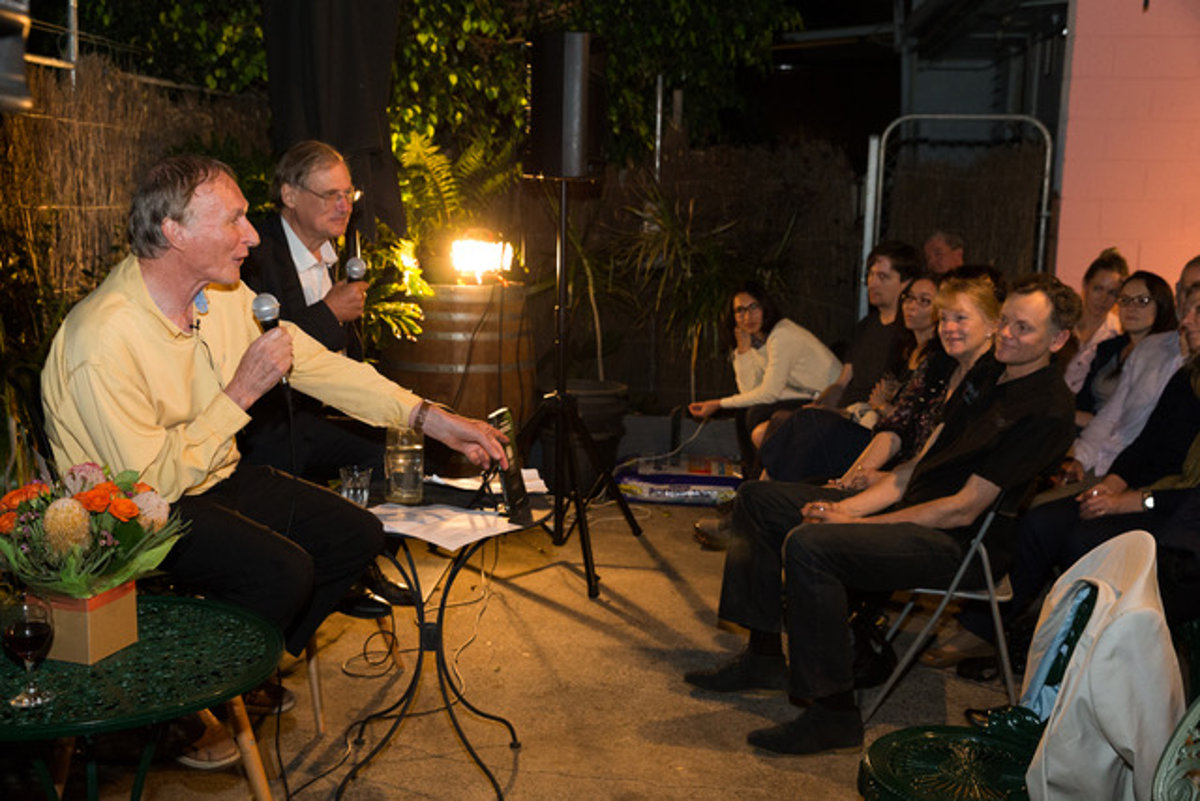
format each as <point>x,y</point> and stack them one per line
<point>943,762</point>
<point>1177,777</point>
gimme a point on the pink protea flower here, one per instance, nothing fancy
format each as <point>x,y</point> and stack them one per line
<point>83,477</point>
<point>153,511</point>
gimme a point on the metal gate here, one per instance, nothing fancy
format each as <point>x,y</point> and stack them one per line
<point>985,177</point>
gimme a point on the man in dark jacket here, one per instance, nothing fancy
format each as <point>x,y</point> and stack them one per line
<point>294,262</point>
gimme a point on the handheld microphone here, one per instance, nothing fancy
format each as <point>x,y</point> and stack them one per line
<point>356,269</point>
<point>266,310</point>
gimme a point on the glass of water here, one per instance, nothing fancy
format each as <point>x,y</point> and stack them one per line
<point>405,463</point>
<point>356,483</point>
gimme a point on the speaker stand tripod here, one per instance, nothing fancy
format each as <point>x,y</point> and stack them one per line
<point>567,423</point>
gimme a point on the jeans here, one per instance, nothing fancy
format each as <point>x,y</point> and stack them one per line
<point>812,567</point>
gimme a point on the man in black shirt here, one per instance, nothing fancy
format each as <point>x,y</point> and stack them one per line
<point>820,440</point>
<point>909,529</point>
<point>1130,496</point>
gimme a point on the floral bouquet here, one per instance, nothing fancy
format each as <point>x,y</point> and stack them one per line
<point>87,533</point>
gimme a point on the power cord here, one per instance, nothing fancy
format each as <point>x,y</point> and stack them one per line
<point>643,459</point>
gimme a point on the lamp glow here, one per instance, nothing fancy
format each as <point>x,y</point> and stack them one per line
<point>478,257</point>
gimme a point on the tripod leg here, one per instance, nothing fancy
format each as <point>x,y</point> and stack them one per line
<point>589,446</point>
<point>585,535</point>
<point>534,424</point>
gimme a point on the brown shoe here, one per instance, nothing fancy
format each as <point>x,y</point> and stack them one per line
<point>963,645</point>
<point>269,698</point>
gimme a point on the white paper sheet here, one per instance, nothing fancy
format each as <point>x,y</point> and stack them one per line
<point>449,527</point>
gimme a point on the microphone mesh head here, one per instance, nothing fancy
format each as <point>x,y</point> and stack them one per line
<point>356,268</point>
<point>265,307</point>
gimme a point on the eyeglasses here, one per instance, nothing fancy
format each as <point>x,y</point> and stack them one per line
<point>1135,300</point>
<point>350,195</point>
<point>923,302</point>
<point>738,311</point>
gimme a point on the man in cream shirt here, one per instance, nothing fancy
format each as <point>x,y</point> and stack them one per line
<point>155,370</point>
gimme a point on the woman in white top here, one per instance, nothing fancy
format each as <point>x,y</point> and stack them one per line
<point>777,364</point>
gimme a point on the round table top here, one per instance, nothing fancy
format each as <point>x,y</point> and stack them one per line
<point>191,654</point>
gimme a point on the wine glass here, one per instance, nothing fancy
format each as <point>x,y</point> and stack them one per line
<point>28,632</point>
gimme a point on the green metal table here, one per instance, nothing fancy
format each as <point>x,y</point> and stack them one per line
<point>191,654</point>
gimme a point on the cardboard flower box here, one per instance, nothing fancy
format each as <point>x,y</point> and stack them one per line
<point>88,629</point>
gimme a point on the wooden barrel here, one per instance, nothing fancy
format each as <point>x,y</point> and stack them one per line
<point>476,352</point>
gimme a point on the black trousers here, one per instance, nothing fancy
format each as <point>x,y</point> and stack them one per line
<point>814,567</point>
<point>811,445</point>
<point>275,544</point>
<point>748,419</point>
<point>314,445</point>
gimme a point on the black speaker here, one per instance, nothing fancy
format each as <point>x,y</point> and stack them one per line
<point>565,106</point>
<point>14,30</point>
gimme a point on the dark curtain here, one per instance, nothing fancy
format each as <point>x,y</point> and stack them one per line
<point>329,74</point>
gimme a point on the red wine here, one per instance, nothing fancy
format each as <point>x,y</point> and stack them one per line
<point>28,641</point>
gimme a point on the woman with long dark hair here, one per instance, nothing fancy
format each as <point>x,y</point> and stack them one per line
<point>777,364</point>
<point>1145,306</point>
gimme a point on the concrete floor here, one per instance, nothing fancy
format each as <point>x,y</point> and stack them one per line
<point>593,688</point>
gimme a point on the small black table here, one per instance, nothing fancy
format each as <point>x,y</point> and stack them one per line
<point>191,654</point>
<point>431,632</point>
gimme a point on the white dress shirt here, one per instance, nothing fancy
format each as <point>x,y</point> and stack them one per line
<point>313,272</point>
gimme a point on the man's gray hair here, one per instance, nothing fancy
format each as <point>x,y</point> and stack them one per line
<point>300,161</point>
<point>164,193</point>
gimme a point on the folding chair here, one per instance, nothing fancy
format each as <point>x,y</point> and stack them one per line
<point>991,592</point>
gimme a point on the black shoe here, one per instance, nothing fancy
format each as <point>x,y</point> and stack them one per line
<point>874,656</point>
<point>713,533</point>
<point>361,602</point>
<point>396,593</point>
<point>748,671</point>
<point>817,729</point>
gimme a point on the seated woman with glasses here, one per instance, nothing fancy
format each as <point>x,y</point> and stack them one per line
<point>1145,306</point>
<point>920,318</point>
<point>777,364</point>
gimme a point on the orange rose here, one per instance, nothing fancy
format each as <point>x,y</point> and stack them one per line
<point>94,500</point>
<point>26,493</point>
<point>108,487</point>
<point>139,488</point>
<point>8,521</point>
<point>123,509</point>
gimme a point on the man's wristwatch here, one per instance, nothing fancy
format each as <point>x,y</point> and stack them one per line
<point>422,412</point>
<point>1147,501</point>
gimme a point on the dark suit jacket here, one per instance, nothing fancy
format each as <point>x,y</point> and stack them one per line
<point>292,433</point>
<point>269,268</point>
